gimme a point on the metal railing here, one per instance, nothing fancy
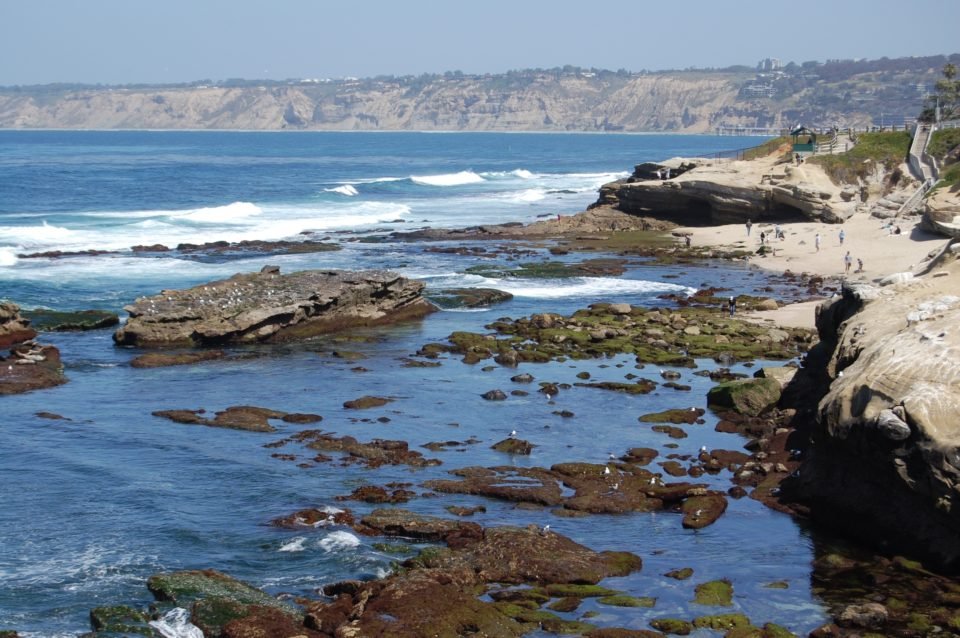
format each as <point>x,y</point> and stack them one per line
<point>914,200</point>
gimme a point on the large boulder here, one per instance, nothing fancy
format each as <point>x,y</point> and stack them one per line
<point>270,307</point>
<point>886,459</point>
<point>746,396</point>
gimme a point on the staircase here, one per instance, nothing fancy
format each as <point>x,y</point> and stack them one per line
<point>919,165</point>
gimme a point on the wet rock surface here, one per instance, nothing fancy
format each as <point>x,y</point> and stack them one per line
<point>270,307</point>
<point>30,366</point>
<point>60,321</point>
<point>244,417</point>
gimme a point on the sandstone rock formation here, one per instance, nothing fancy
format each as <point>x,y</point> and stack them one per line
<point>270,307</point>
<point>885,463</point>
<point>13,327</point>
<point>941,212</point>
<point>718,191</point>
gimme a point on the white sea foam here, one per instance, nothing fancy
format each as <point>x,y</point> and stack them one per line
<point>230,213</point>
<point>8,257</point>
<point>523,173</point>
<point>34,235</point>
<point>294,545</point>
<point>582,287</point>
<point>529,195</point>
<point>448,179</point>
<point>346,189</point>
<point>339,541</point>
<point>331,510</point>
<point>176,624</point>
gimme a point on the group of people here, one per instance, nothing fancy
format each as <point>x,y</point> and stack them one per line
<point>841,236</point>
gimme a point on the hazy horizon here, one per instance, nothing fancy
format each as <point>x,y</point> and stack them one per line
<point>117,42</point>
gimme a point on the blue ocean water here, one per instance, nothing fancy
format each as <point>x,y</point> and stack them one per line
<point>93,504</point>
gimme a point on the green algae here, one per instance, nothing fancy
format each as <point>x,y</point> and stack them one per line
<point>680,574</point>
<point>565,605</point>
<point>721,621</point>
<point>673,626</point>
<point>623,600</point>
<point>396,549</point>
<point>119,619</point>
<point>714,593</point>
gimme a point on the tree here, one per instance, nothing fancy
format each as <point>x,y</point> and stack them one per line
<point>946,95</point>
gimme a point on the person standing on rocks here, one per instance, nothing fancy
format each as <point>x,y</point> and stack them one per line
<point>847,261</point>
<point>732,306</point>
<point>749,226</point>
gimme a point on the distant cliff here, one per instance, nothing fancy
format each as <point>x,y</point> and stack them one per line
<point>556,100</point>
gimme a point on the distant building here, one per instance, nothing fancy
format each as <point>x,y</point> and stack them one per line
<point>770,64</point>
<point>758,90</point>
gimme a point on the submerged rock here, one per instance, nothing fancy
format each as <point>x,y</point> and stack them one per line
<point>60,321</point>
<point>270,307</point>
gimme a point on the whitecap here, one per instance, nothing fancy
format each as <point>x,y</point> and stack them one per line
<point>176,624</point>
<point>338,541</point>
<point>294,545</point>
<point>529,195</point>
<point>221,214</point>
<point>346,189</point>
<point>8,257</point>
<point>523,173</point>
<point>448,179</point>
<point>34,235</point>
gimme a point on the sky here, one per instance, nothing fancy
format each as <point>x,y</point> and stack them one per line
<point>172,41</point>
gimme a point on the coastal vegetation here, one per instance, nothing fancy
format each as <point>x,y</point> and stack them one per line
<point>945,148</point>
<point>886,149</point>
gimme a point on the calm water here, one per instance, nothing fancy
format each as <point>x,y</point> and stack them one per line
<point>92,505</point>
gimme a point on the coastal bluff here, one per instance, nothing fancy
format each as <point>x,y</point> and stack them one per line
<point>271,307</point>
<point>707,191</point>
<point>885,459</point>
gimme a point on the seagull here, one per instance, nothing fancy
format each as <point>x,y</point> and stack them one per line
<point>615,487</point>
<point>545,530</point>
<point>513,434</point>
<point>698,513</point>
<point>606,470</point>
<point>703,449</point>
<point>611,456</point>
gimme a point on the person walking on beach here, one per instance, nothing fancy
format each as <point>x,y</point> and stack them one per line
<point>816,241</point>
<point>749,226</point>
<point>732,305</point>
<point>763,237</point>
<point>842,236</point>
<point>859,265</point>
<point>847,261</point>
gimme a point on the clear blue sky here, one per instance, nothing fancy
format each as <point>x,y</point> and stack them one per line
<point>124,41</point>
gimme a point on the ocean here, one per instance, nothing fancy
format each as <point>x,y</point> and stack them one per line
<point>95,503</point>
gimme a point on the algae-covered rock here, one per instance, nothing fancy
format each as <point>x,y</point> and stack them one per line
<point>750,397</point>
<point>62,321</point>
<point>165,359</point>
<point>216,598</point>
<point>622,600</point>
<point>674,626</point>
<point>366,402</point>
<point>676,416</point>
<point>680,574</point>
<point>468,297</point>
<point>513,446</point>
<point>715,592</point>
<point>702,510</point>
<point>721,621</point>
<point>119,619</point>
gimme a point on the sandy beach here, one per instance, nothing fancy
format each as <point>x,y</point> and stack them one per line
<point>865,237</point>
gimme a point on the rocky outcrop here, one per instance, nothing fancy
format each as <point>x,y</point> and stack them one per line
<point>13,327</point>
<point>270,307</point>
<point>708,192</point>
<point>885,462</point>
<point>30,366</point>
<point>941,213</point>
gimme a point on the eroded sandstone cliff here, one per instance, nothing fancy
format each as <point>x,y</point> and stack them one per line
<point>885,460</point>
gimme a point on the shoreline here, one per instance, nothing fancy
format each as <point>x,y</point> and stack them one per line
<point>866,238</point>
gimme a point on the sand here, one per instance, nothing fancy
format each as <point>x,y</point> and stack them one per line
<point>865,238</point>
